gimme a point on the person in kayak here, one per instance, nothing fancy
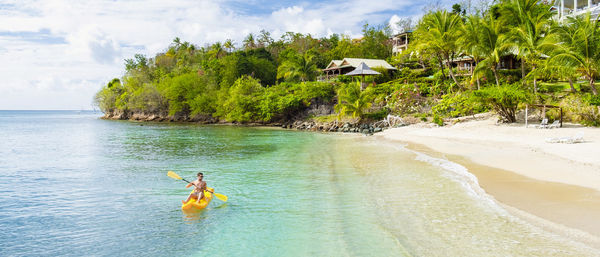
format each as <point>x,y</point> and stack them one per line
<point>200,186</point>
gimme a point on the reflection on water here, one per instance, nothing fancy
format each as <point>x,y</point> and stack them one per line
<point>191,218</point>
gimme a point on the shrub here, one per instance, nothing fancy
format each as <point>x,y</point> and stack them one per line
<point>241,101</point>
<point>180,91</point>
<point>316,90</point>
<point>504,100</point>
<point>343,79</point>
<point>592,99</point>
<point>352,101</point>
<point>106,99</point>
<point>385,75</point>
<point>147,99</point>
<point>405,100</point>
<point>582,109</point>
<point>438,120</point>
<point>458,104</point>
<point>377,115</point>
<point>510,76</point>
<point>277,101</point>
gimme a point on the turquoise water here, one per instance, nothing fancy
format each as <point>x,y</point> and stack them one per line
<point>72,184</point>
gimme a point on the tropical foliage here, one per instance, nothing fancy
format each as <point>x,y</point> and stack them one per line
<point>579,47</point>
<point>263,79</point>
<point>353,101</point>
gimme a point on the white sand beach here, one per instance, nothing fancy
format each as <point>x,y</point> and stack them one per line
<point>559,182</point>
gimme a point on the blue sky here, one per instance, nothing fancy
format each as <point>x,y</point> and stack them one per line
<point>56,54</point>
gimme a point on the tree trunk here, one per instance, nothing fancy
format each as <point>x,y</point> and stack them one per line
<point>571,84</point>
<point>452,73</point>
<point>496,76</point>
<point>473,73</point>
<point>522,72</point>
<point>594,91</point>
<point>454,78</point>
<point>535,89</point>
<point>442,67</point>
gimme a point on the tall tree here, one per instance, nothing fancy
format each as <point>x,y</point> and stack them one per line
<point>218,50</point>
<point>470,41</point>
<point>405,24</point>
<point>249,42</point>
<point>375,42</point>
<point>297,66</point>
<point>345,48</point>
<point>531,24</point>
<point>264,39</point>
<point>229,45</point>
<point>579,47</point>
<point>493,44</point>
<point>439,32</point>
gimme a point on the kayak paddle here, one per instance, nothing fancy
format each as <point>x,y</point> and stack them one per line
<point>175,176</point>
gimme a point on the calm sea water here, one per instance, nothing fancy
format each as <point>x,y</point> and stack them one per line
<point>72,184</point>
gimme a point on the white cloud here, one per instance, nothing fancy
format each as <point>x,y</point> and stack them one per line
<point>90,39</point>
<point>393,23</point>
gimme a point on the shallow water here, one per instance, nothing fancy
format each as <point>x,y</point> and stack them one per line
<point>72,184</point>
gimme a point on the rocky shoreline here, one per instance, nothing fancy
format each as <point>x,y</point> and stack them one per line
<point>365,127</point>
<point>336,126</point>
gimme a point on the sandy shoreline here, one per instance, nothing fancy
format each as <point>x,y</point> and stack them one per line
<point>514,164</point>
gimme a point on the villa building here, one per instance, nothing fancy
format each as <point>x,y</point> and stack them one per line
<point>341,67</point>
<point>465,65</point>
<point>566,8</point>
<point>400,42</point>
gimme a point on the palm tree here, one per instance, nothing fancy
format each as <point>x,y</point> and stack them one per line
<point>493,44</point>
<point>551,67</point>
<point>249,42</point>
<point>264,38</point>
<point>177,42</point>
<point>579,47</point>
<point>298,67</point>
<point>531,21</point>
<point>438,32</point>
<point>229,45</point>
<point>218,49</point>
<point>470,41</point>
<point>353,101</point>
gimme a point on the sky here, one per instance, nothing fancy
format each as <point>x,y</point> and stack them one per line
<point>56,54</point>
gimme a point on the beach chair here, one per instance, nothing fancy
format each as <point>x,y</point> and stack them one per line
<point>543,124</point>
<point>578,138</point>
<point>555,124</point>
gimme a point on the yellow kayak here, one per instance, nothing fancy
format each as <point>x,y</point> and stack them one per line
<point>193,206</point>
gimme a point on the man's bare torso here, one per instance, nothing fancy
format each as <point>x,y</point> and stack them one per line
<point>199,185</point>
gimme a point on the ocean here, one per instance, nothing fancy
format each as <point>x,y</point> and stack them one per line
<point>72,184</point>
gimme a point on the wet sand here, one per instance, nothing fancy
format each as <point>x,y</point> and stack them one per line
<point>522,173</point>
<point>573,206</point>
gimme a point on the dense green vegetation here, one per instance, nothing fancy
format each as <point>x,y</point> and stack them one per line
<point>266,80</point>
<point>269,80</point>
